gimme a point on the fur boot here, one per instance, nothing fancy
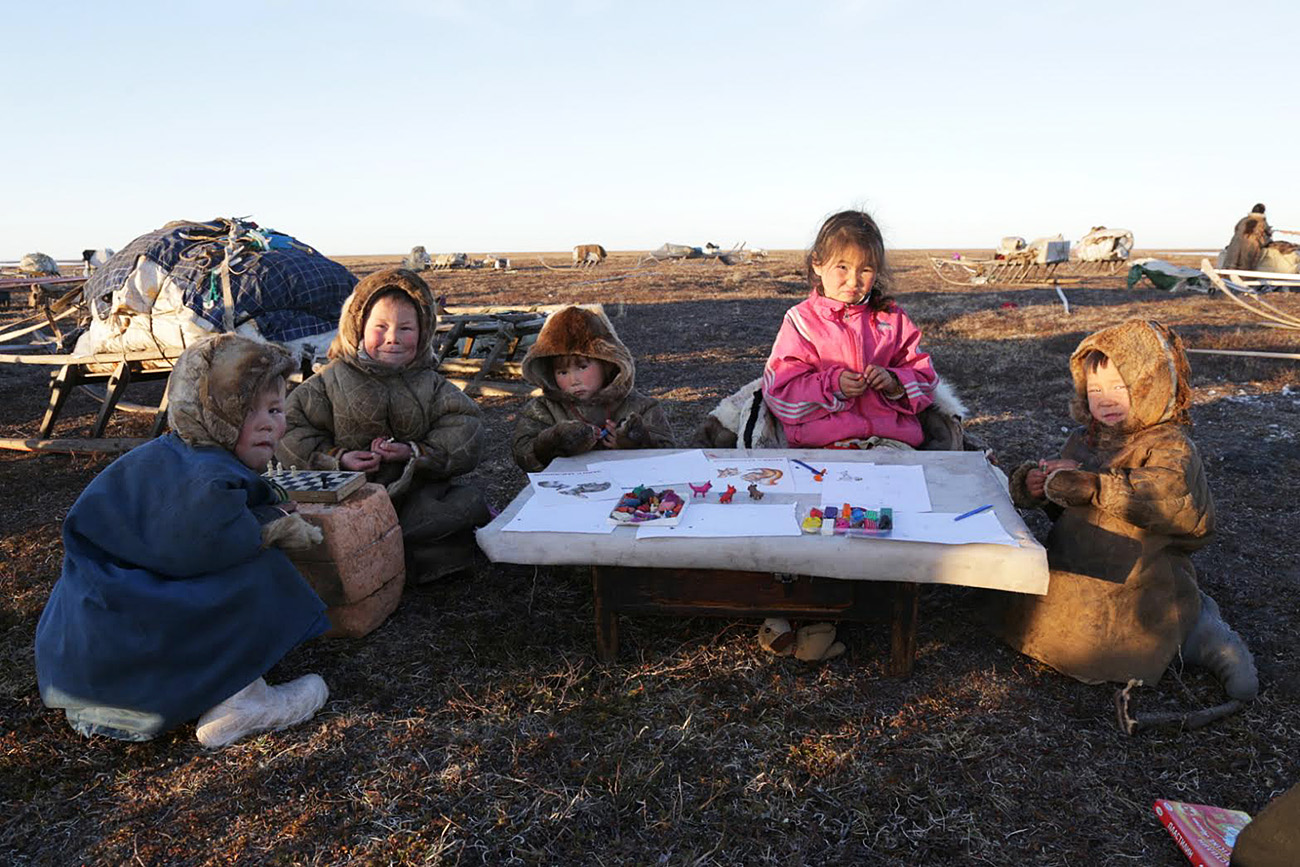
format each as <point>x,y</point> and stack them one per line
<point>1214,645</point>
<point>813,643</point>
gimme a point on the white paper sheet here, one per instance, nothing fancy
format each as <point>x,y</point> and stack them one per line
<point>899,486</point>
<point>675,468</point>
<point>734,519</point>
<point>941,528</point>
<point>772,475</point>
<point>561,515</point>
<point>580,485</point>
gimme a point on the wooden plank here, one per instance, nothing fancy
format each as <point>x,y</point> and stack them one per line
<point>455,365</point>
<point>103,445</point>
<point>496,389</point>
<point>101,358</point>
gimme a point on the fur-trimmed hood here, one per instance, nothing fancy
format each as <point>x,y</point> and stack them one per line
<point>347,346</point>
<point>1153,364</point>
<point>580,331</point>
<point>215,383</point>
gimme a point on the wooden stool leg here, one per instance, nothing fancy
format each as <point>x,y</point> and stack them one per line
<point>160,418</point>
<point>902,645</point>
<point>68,377</point>
<point>117,384</point>
<point>606,620</point>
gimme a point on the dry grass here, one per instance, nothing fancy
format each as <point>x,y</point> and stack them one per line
<point>475,727</point>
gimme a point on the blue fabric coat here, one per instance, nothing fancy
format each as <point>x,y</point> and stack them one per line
<point>168,604</point>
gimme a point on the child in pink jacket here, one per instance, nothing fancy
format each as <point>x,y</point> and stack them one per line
<point>847,369</point>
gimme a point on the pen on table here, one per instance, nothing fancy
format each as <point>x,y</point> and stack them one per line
<point>973,512</point>
<point>813,470</point>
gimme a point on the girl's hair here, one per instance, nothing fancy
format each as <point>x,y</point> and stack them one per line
<point>858,229</point>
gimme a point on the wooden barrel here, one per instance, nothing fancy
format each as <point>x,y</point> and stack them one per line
<point>359,570</point>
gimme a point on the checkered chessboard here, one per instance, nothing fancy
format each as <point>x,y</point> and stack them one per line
<point>316,486</point>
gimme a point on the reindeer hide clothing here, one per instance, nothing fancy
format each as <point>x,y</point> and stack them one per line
<point>1249,238</point>
<point>355,399</point>
<point>168,602</point>
<point>539,433</point>
<point>1123,594</point>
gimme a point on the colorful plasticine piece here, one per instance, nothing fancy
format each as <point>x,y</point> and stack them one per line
<point>725,496</point>
<point>812,523</point>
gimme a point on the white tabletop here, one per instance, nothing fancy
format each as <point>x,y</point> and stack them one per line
<point>956,481</point>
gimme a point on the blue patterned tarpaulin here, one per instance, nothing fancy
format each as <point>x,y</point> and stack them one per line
<point>288,288</point>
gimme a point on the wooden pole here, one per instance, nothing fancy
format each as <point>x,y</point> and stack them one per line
<point>97,445</point>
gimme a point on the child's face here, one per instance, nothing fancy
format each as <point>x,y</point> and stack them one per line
<point>846,275</point>
<point>578,376</point>
<point>1107,395</point>
<point>392,331</point>
<point>262,428</point>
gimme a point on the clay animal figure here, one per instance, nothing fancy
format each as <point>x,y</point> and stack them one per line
<point>700,490</point>
<point>588,255</point>
<point>725,496</point>
<point>754,492</point>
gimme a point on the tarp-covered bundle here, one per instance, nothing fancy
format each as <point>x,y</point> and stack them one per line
<point>168,288</point>
<point>1105,245</point>
<point>1167,276</point>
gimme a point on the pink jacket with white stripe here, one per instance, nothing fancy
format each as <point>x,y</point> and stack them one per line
<point>818,340</point>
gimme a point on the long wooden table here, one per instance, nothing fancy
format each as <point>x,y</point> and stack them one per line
<point>806,577</point>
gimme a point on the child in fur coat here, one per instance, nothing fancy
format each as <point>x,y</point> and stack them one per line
<point>1130,503</point>
<point>589,400</point>
<point>380,407</point>
<point>175,598</point>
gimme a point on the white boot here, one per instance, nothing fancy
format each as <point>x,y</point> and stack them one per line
<point>260,708</point>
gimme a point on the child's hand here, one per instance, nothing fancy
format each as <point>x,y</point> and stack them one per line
<point>631,432</point>
<point>576,437</point>
<point>852,383</point>
<point>390,451</point>
<point>881,379</point>
<point>1036,479</point>
<point>359,461</point>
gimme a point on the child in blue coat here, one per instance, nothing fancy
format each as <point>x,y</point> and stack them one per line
<point>175,597</point>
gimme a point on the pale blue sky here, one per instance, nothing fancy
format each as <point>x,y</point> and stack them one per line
<point>518,125</point>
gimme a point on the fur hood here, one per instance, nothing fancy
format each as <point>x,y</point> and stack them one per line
<point>347,345</point>
<point>1150,358</point>
<point>580,331</point>
<point>215,383</point>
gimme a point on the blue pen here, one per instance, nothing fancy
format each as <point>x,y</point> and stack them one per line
<point>813,470</point>
<point>973,512</point>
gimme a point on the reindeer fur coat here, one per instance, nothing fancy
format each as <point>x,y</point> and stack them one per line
<point>540,432</point>
<point>170,602</point>
<point>355,399</point>
<point>1123,593</point>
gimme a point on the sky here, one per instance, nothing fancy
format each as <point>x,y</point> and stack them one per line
<point>520,125</point>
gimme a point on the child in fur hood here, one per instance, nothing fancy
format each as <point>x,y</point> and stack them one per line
<point>1130,503</point>
<point>380,407</point>
<point>175,599</point>
<point>588,401</point>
